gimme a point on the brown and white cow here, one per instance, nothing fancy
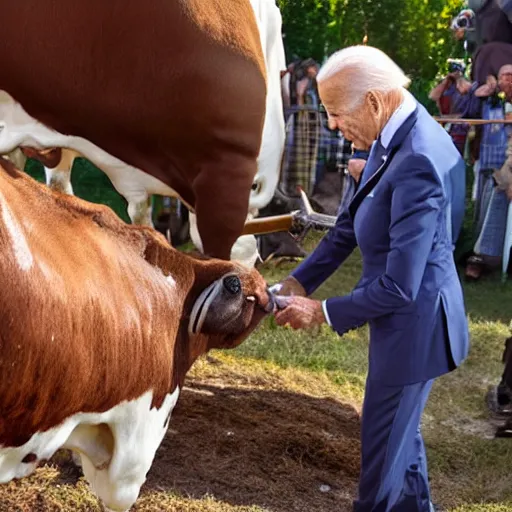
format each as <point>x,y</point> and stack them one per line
<point>99,323</point>
<point>174,87</point>
<point>18,128</point>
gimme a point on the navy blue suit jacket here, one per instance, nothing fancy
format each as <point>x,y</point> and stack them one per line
<point>405,216</point>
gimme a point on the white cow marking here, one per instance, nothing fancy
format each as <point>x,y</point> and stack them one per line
<point>59,180</point>
<point>20,246</point>
<point>244,250</point>
<point>116,447</point>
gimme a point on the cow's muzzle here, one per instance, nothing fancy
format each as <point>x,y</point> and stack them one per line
<point>219,306</point>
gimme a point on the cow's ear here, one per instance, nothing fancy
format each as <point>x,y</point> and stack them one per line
<point>218,307</point>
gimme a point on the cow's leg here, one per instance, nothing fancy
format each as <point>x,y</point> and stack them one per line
<point>139,201</point>
<point>59,180</point>
<point>244,250</point>
<point>140,210</point>
<point>59,177</point>
<point>118,452</point>
<point>17,158</point>
<point>222,204</point>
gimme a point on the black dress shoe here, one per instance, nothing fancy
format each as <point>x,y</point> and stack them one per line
<point>504,430</point>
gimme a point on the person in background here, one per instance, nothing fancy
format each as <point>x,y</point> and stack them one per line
<point>449,90</point>
<point>452,95</point>
<point>405,217</point>
<point>487,27</point>
<point>492,201</point>
<point>482,22</point>
<point>499,398</point>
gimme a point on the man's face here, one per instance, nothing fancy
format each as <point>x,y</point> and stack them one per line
<point>353,123</point>
<point>505,80</point>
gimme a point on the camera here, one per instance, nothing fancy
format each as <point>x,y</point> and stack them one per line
<point>455,65</point>
<point>465,20</point>
<point>462,22</point>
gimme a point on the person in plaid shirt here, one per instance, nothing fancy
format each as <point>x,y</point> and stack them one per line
<point>303,129</point>
<point>492,202</point>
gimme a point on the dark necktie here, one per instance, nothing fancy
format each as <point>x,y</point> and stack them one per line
<point>374,162</point>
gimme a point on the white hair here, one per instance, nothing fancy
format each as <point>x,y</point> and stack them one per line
<point>374,71</point>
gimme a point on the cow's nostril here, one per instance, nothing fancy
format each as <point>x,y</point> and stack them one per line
<point>232,284</point>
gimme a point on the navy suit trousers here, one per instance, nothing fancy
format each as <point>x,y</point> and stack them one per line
<point>394,474</point>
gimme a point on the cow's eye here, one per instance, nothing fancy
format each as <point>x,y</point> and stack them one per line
<point>256,187</point>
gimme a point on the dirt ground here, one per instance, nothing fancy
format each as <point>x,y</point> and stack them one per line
<point>279,450</point>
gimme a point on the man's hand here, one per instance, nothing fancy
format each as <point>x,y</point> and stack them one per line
<point>356,167</point>
<point>299,312</point>
<point>288,286</point>
<point>463,85</point>
<point>488,89</point>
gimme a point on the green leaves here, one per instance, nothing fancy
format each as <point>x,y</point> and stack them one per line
<point>414,33</point>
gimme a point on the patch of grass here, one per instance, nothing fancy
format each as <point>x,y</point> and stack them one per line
<point>497,507</point>
<point>343,359</point>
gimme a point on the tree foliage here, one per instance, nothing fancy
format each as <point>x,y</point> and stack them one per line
<point>414,33</point>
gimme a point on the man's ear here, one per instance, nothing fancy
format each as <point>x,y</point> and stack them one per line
<point>374,102</point>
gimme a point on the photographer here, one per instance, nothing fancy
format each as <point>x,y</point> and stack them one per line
<point>453,85</point>
<point>453,96</point>
<point>487,27</point>
<point>483,22</point>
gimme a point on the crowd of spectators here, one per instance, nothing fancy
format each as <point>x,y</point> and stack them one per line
<point>481,90</point>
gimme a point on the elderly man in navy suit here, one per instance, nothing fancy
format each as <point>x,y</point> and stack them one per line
<point>405,217</point>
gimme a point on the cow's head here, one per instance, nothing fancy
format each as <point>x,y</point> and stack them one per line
<point>228,307</point>
<point>226,303</point>
<point>223,301</point>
